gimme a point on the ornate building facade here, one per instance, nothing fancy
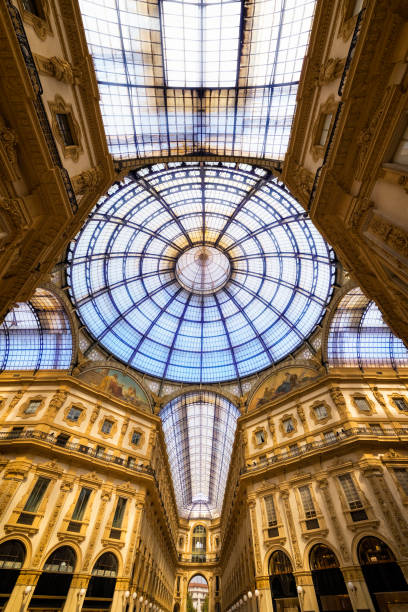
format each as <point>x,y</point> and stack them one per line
<point>272,460</point>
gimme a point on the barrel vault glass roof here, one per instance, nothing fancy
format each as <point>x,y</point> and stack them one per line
<point>197,76</point>
<point>270,272</point>
<point>199,428</point>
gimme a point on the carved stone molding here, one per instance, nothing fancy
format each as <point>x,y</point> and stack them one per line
<point>40,22</point>
<point>58,68</point>
<point>394,237</point>
<point>329,107</point>
<point>331,69</point>
<point>88,181</point>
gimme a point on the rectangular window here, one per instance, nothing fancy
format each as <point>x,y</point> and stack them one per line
<point>402,477</point>
<point>107,426</point>
<point>136,435</point>
<point>64,127</point>
<point>307,501</point>
<point>288,425</point>
<point>100,451</point>
<point>273,530</point>
<point>74,414</point>
<point>36,494</point>
<point>294,449</point>
<point>32,407</point>
<point>362,404</point>
<point>259,437</point>
<point>376,429</point>
<point>81,504</point>
<point>327,119</point>
<point>119,513</point>
<point>353,498</point>
<point>320,412</point>
<point>130,462</point>
<point>400,403</point>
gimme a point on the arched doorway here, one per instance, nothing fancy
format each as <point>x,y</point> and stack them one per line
<point>197,594</point>
<point>385,580</point>
<point>328,580</point>
<point>12,555</point>
<point>101,586</point>
<point>53,584</point>
<point>199,545</point>
<point>282,583</point>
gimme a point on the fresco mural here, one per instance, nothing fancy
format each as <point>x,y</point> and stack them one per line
<point>116,383</point>
<point>282,382</point>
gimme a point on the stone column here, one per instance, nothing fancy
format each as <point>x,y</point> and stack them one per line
<point>263,603</point>
<point>357,589</point>
<point>119,599</point>
<point>307,597</point>
<point>23,591</point>
<point>77,592</point>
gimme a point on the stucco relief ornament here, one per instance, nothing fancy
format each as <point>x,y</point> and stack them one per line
<point>331,70</point>
<point>61,70</point>
<point>8,140</point>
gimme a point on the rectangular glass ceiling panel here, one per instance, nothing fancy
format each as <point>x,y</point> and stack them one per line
<point>178,77</point>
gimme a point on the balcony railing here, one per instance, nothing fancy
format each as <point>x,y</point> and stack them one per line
<point>35,434</point>
<point>338,438</point>
<point>198,558</point>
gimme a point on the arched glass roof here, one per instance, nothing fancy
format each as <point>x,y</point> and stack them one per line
<point>128,292</point>
<point>36,335</point>
<point>194,76</point>
<point>199,429</point>
<point>358,336</point>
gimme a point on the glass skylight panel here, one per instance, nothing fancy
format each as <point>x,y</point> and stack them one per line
<point>359,337</point>
<point>164,309</point>
<point>178,76</point>
<point>36,335</point>
<point>199,430</point>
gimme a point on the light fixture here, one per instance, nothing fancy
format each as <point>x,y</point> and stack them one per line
<point>351,586</point>
<point>28,588</point>
<point>299,589</point>
<point>141,599</point>
<point>127,594</point>
<point>245,597</point>
<point>249,594</point>
<point>257,593</point>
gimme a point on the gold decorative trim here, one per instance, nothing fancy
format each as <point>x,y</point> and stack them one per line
<point>370,403</point>
<point>348,21</point>
<point>399,396</point>
<point>141,439</point>
<point>313,415</point>
<point>81,417</point>
<point>254,438</point>
<point>35,398</point>
<point>284,418</point>
<point>60,106</point>
<point>114,427</point>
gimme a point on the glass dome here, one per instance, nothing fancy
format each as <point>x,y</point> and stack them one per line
<point>200,272</point>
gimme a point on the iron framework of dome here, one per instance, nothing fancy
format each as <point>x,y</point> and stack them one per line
<point>200,272</point>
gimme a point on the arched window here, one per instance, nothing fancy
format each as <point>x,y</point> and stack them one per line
<point>106,565</point>
<point>12,555</point>
<point>322,557</point>
<point>279,563</point>
<point>385,580</point>
<point>36,335</point>
<point>102,584</point>
<point>53,585</point>
<point>197,594</point>
<point>328,580</point>
<point>373,550</point>
<point>282,581</point>
<point>61,560</point>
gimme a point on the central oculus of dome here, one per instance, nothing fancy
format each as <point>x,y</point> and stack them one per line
<point>203,270</point>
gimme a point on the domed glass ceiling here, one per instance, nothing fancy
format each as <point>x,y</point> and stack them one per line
<point>200,272</point>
